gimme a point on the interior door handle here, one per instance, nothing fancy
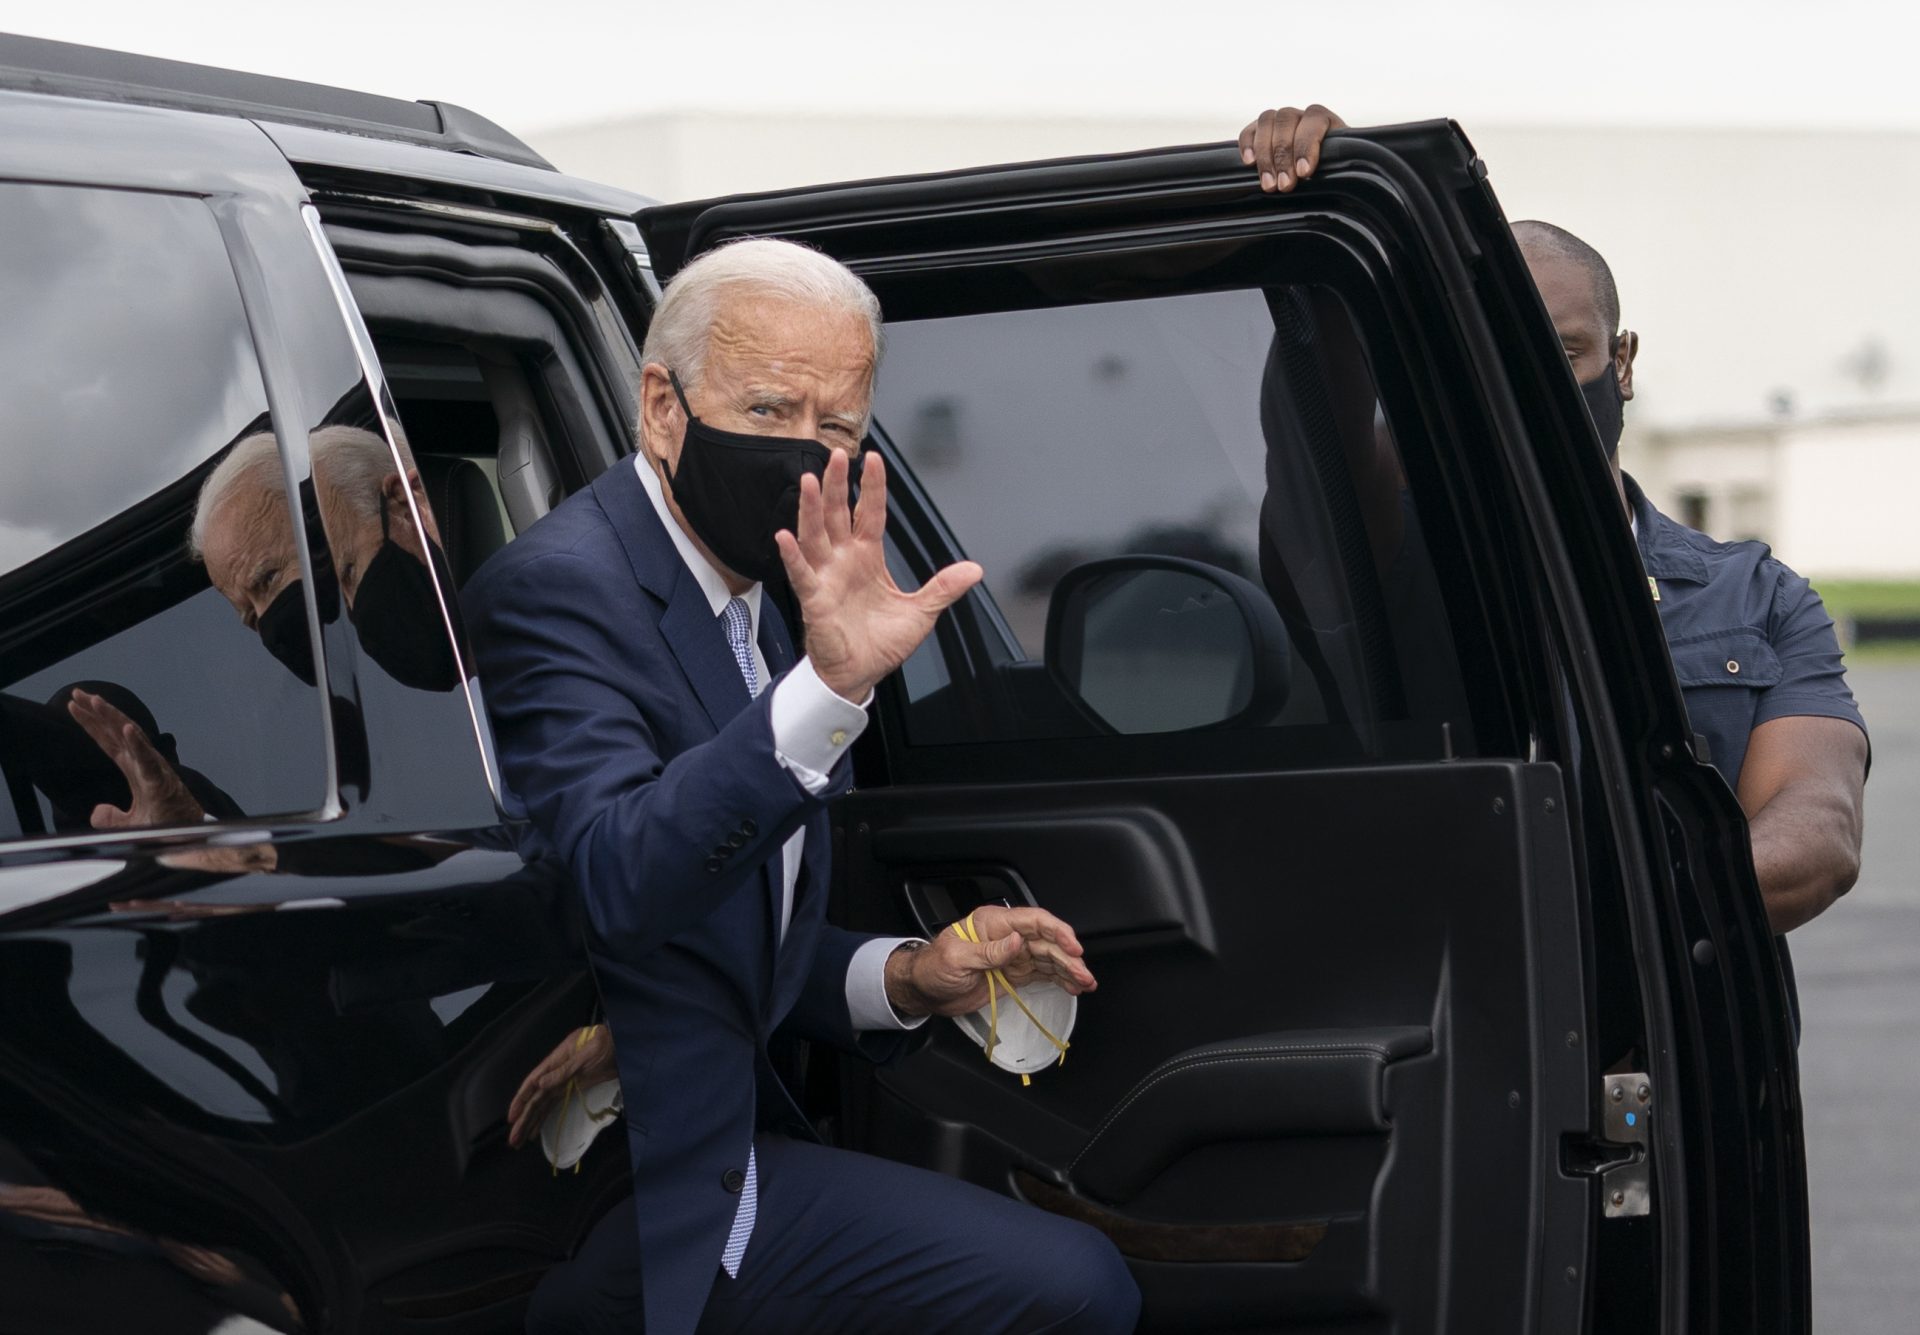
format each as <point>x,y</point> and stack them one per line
<point>939,900</point>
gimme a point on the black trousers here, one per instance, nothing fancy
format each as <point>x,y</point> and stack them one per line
<point>845,1242</point>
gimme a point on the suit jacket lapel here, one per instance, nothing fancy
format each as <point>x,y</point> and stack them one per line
<point>699,643</point>
<point>692,631</point>
<point>775,644</point>
<point>697,639</point>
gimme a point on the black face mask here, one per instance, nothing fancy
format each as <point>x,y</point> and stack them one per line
<point>397,614</point>
<point>283,626</point>
<point>1605,405</point>
<point>738,490</point>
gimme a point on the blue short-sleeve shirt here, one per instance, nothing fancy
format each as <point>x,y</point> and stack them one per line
<point>1751,640</point>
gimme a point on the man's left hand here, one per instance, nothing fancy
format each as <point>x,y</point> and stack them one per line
<point>160,796</point>
<point>585,1056</point>
<point>949,975</point>
<point>860,625</point>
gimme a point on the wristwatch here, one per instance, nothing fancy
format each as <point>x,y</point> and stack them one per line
<point>909,945</point>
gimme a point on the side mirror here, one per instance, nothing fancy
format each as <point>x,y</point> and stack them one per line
<point>1150,644</point>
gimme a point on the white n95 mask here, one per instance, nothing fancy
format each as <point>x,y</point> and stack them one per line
<point>1022,1029</point>
<point>582,1115</point>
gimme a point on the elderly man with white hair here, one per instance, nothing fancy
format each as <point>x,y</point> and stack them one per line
<point>243,531</point>
<point>649,710</point>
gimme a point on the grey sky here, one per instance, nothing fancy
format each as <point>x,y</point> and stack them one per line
<point>132,297</point>
<point>531,67</point>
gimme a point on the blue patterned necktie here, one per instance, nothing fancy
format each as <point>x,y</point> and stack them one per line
<point>740,639</point>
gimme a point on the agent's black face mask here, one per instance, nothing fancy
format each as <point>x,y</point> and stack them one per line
<point>738,490</point>
<point>398,615</point>
<point>1606,406</point>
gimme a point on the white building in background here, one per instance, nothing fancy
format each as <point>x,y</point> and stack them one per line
<point>1772,276</point>
<point>1834,494</point>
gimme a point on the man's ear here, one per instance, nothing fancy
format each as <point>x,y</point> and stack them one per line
<point>663,422</point>
<point>1623,354</point>
<point>393,497</point>
<point>419,490</point>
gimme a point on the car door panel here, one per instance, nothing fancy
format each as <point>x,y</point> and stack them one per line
<point>1152,888</point>
<point>1296,1025</point>
<point>1304,938</point>
<point>1531,959</point>
<point>317,1084</point>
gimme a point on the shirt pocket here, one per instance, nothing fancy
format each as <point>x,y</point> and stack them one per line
<point>1736,657</point>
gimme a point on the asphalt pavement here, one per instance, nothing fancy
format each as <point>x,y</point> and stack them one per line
<point>1859,971</point>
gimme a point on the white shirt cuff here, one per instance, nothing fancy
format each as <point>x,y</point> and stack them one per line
<point>867,987</point>
<point>812,726</point>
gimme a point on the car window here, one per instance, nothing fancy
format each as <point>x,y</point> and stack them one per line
<point>1192,516</point>
<point>156,662</point>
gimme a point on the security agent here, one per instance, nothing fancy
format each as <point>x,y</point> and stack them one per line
<point>649,711</point>
<point>1753,648</point>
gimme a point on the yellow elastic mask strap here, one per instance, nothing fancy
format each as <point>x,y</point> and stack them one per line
<point>966,931</point>
<point>566,1099</point>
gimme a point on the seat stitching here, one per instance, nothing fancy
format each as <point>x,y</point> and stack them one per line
<point>1178,1067</point>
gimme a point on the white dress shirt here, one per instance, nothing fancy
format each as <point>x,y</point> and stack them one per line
<point>812,729</point>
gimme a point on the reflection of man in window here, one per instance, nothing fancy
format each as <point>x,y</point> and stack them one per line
<point>85,777</point>
<point>243,531</point>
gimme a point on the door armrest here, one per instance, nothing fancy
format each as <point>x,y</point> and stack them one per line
<point>1294,1083</point>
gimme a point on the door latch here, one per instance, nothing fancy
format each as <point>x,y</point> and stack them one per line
<point>1626,1105</point>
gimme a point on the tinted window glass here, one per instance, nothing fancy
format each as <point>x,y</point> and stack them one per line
<point>1191,514</point>
<point>126,356</point>
<point>128,375</point>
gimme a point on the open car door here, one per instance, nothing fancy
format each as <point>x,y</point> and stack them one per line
<point>1313,679</point>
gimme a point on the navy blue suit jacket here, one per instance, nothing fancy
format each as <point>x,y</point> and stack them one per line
<point>621,721</point>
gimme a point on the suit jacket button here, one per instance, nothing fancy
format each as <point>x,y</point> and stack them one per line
<point>722,851</point>
<point>714,865</point>
<point>738,839</point>
<point>748,828</point>
<point>733,1180</point>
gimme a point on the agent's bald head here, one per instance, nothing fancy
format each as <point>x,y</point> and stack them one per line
<point>1577,287</point>
<point>1543,241</point>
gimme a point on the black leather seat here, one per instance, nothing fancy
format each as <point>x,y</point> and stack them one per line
<point>466,510</point>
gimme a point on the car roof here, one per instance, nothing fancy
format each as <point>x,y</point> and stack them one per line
<point>33,64</point>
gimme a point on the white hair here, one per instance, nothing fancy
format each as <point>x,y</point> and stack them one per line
<point>255,461</point>
<point>356,462</point>
<point>682,327</point>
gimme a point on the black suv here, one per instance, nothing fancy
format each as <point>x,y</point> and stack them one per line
<point>1437,992</point>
